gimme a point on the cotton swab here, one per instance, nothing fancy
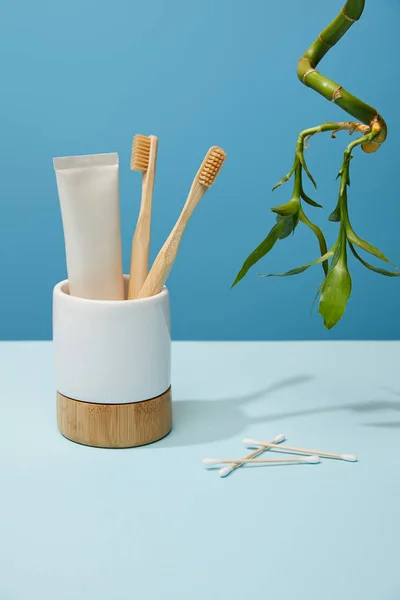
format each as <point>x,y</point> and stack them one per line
<point>249,443</point>
<point>209,462</point>
<point>227,470</point>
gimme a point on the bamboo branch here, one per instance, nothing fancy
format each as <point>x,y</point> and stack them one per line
<point>307,73</point>
<point>335,289</point>
<point>289,214</point>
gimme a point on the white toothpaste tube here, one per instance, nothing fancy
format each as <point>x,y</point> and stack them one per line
<point>88,189</point>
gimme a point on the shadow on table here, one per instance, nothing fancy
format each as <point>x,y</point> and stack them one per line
<point>385,425</point>
<point>387,405</point>
<point>201,421</point>
<point>198,421</point>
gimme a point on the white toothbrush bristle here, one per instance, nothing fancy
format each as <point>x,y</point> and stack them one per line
<point>349,457</point>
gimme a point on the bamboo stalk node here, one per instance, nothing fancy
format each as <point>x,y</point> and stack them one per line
<point>347,17</point>
<point>307,73</point>
<point>375,125</point>
<point>351,127</point>
<point>336,94</point>
<point>361,127</point>
<point>327,44</point>
<point>380,131</point>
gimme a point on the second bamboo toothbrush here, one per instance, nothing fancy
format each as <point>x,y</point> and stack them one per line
<point>144,156</point>
<point>162,265</point>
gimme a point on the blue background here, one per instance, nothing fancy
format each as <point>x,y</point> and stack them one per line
<point>82,77</point>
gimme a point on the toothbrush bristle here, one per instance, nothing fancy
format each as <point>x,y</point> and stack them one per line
<point>140,153</point>
<point>211,166</point>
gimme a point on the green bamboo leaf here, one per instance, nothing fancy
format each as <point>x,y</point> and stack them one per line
<point>295,271</point>
<point>301,269</point>
<point>300,156</point>
<point>284,179</point>
<point>335,250</point>
<point>371,267</point>
<point>335,293</point>
<point>261,250</point>
<point>309,200</point>
<point>335,214</point>
<point>316,296</point>
<point>335,253</point>
<point>319,235</point>
<point>364,245</point>
<point>345,167</point>
<point>344,182</point>
<point>291,223</point>
<point>290,208</point>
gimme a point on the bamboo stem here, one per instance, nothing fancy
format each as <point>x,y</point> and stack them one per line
<point>307,73</point>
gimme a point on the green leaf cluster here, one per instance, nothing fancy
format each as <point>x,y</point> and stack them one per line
<point>335,289</point>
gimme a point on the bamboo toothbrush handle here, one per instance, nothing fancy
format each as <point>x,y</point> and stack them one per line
<point>165,259</point>
<point>139,267</point>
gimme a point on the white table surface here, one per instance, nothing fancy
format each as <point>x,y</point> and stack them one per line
<point>79,523</point>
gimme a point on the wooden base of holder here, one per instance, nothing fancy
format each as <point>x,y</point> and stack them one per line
<point>115,425</point>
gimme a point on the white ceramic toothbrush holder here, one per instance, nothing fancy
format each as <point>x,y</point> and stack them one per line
<point>112,368</point>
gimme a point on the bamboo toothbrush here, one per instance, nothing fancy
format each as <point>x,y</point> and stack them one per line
<point>143,159</point>
<point>205,177</point>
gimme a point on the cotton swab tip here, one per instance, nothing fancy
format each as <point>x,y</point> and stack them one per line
<point>349,457</point>
<point>314,459</point>
<point>208,462</point>
<point>249,443</point>
<point>225,471</point>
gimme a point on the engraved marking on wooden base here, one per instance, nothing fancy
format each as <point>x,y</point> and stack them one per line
<point>115,425</point>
